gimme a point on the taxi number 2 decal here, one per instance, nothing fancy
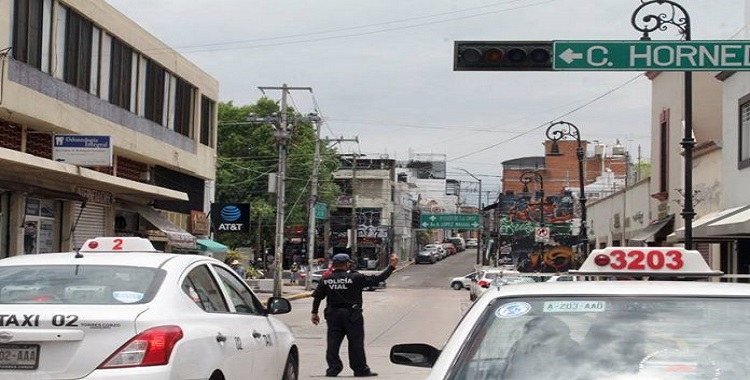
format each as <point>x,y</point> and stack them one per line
<point>64,320</point>
<point>640,260</point>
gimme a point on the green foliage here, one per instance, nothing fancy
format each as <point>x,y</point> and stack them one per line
<point>248,154</point>
<point>424,237</point>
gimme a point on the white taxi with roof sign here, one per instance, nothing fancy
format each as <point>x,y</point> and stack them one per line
<point>119,309</point>
<point>676,325</point>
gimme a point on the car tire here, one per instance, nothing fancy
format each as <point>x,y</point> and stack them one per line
<point>291,372</point>
<point>457,285</point>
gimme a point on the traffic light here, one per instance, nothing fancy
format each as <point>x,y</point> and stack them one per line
<point>503,56</point>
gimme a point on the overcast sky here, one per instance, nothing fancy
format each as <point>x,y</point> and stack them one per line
<point>383,70</point>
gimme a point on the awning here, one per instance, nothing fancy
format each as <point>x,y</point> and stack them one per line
<point>647,234</point>
<point>209,245</point>
<point>176,236</point>
<point>737,224</point>
<point>700,230</point>
<point>19,167</point>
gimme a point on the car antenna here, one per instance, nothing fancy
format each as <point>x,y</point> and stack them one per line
<point>73,230</point>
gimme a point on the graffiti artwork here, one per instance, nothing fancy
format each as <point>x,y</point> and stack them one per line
<point>519,217</point>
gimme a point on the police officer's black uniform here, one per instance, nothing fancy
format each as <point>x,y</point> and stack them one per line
<point>342,290</point>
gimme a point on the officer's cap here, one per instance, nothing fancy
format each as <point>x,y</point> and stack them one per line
<point>340,258</point>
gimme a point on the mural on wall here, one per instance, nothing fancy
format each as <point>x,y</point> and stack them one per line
<point>521,216</point>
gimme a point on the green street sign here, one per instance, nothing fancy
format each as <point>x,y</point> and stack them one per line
<point>321,210</point>
<point>651,55</point>
<point>450,221</point>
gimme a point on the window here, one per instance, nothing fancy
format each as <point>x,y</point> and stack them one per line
<point>183,108</point>
<point>78,44</point>
<point>207,121</point>
<point>744,132</point>
<point>239,294</point>
<point>121,72</point>
<point>27,32</point>
<point>154,92</point>
<point>200,287</point>
<point>79,284</point>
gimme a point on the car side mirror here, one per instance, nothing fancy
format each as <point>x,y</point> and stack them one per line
<point>278,305</point>
<point>414,354</point>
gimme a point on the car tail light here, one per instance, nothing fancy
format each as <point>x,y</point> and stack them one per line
<point>149,348</point>
<point>483,283</point>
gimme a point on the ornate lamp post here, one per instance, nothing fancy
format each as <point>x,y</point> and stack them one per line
<point>667,13</point>
<point>528,177</point>
<point>558,131</point>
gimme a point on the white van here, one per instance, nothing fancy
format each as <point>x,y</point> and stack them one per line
<point>459,242</point>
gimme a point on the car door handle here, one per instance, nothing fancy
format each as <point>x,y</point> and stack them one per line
<point>221,338</point>
<point>256,334</point>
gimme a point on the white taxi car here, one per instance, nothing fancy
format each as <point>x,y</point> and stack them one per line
<point>119,309</point>
<point>676,325</point>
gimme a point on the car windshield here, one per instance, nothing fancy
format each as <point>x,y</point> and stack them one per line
<point>597,338</point>
<point>78,284</point>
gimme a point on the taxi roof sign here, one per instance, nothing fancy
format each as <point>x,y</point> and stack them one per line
<point>118,244</point>
<point>646,261</point>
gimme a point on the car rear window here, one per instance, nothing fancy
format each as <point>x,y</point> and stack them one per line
<point>609,338</point>
<point>78,284</point>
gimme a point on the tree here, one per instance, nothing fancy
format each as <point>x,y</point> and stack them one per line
<point>247,156</point>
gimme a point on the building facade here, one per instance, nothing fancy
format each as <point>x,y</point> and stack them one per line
<point>79,73</point>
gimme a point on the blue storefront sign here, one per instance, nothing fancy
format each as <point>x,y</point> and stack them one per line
<point>230,217</point>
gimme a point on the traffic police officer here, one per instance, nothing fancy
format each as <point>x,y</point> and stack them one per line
<point>343,313</point>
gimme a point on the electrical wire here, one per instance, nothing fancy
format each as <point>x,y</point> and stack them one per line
<point>545,124</point>
<point>222,46</point>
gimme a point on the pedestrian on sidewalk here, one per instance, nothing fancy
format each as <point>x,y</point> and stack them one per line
<point>293,270</point>
<point>342,291</point>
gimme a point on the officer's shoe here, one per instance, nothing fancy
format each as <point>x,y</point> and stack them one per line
<point>365,374</point>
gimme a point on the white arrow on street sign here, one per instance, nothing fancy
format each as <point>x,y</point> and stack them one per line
<point>569,55</point>
<point>432,218</point>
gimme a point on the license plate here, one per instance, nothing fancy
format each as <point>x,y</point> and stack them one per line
<point>19,356</point>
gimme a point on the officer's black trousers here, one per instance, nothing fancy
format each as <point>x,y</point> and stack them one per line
<point>347,323</point>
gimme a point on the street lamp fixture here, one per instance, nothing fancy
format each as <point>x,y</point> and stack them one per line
<point>668,13</point>
<point>533,176</point>
<point>558,131</point>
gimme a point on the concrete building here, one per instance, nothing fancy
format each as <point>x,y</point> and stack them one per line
<point>367,206</point>
<point>78,73</point>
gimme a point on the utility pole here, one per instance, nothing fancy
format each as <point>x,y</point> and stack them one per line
<point>353,218</point>
<point>282,137</point>
<point>311,226</point>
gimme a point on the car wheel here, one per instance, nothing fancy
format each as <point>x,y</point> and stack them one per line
<point>457,285</point>
<point>290,369</point>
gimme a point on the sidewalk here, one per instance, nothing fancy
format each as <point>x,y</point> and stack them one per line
<point>296,291</point>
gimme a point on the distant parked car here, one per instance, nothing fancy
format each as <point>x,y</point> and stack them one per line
<point>463,282</point>
<point>485,277</point>
<point>438,248</point>
<point>426,257</point>
<point>449,248</point>
<point>472,243</point>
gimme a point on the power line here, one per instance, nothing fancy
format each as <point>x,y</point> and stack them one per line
<point>219,46</point>
<point>545,124</point>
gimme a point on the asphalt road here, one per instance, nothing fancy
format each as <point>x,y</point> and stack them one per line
<point>418,305</point>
